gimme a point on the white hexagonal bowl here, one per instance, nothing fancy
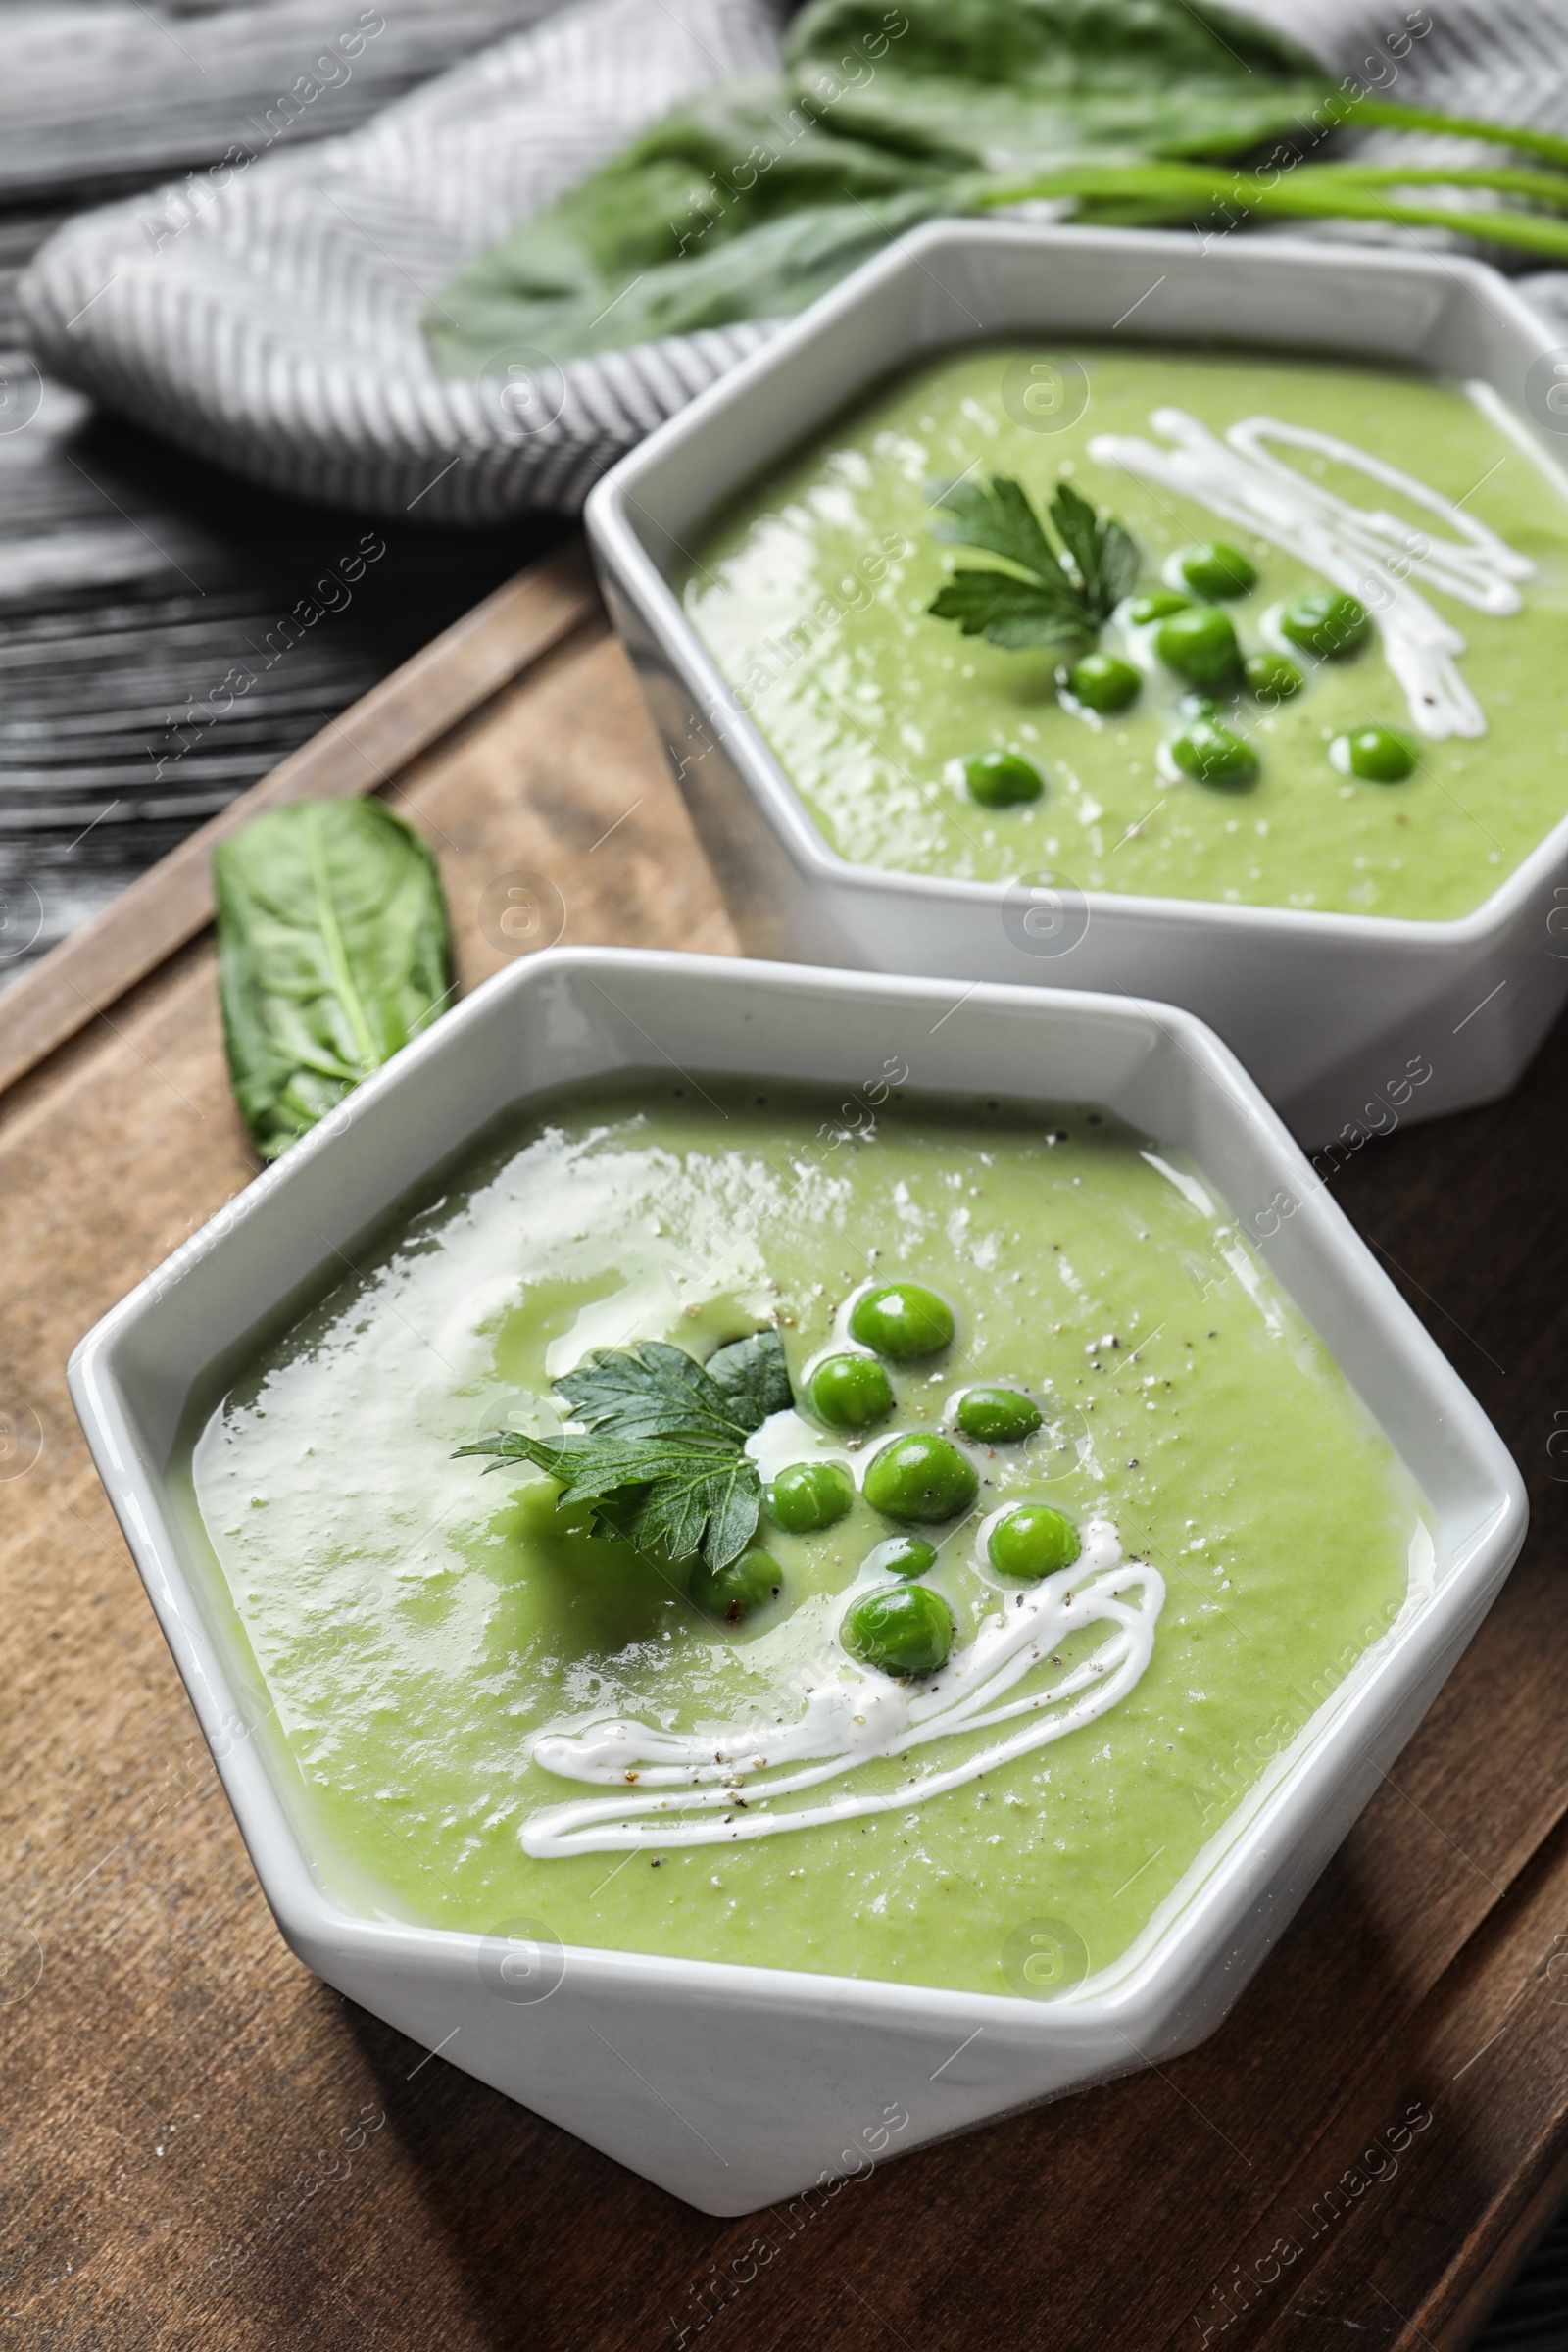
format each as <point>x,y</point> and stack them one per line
<point>1326,1010</point>
<point>734,2086</point>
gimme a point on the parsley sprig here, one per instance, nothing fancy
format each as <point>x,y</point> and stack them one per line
<point>663,1464</point>
<point>1064,596</point>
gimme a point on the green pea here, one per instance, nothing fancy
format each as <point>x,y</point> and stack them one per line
<point>851,1392</point>
<point>1216,568</point>
<point>1272,677</point>
<point>902,1555</point>
<point>808,1495</point>
<point>1200,645</point>
<point>1197,705</point>
<point>901,1319</point>
<point>905,1628</point>
<point>1103,682</point>
<point>1376,754</point>
<point>1158,605</point>
<point>1001,779</point>
<point>1032,1542</point>
<point>1327,622</point>
<point>920,1477</point>
<point>1211,753</point>
<point>734,1591</point>
<point>998,1416</point>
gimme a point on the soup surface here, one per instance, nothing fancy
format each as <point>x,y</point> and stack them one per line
<point>428,1634</point>
<point>1421,497</point>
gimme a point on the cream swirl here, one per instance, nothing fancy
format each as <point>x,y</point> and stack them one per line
<point>1365,550</point>
<point>718,1785</point>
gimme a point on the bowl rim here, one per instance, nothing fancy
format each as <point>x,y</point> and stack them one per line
<point>618,549</point>
<point>1272,1815</point>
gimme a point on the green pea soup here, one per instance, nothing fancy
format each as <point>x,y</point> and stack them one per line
<point>419,1626</point>
<point>812,593</point>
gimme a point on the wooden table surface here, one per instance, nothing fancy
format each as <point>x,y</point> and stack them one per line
<point>1362,2154</point>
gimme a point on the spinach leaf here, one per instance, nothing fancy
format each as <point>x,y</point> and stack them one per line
<point>736,205</point>
<point>333,951</point>
<point>996,84</point>
<point>755,197</point>
<point>751,199</point>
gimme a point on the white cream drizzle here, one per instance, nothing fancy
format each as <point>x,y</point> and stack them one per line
<point>711,1786</point>
<point>1368,552</point>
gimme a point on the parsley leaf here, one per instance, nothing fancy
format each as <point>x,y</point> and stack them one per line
<point>754,1378</point>
<point>647,1391</point>
<point>664,1465</point>
<point>1010,611</point>
<point>1063,599</point>
<point>1104,555</point>
<point>1003,522</point>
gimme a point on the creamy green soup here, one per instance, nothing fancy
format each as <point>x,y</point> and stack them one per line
<point>426,1632</point>
<point>1422,497</point>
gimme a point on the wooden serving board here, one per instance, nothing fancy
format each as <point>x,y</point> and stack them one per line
<point>207,2149</point>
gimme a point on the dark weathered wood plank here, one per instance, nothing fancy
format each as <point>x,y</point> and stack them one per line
<point>148,90</point>
<point>398,718</point>
<point>168,635</point>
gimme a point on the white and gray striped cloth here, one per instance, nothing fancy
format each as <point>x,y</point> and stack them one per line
<point>271,323</point>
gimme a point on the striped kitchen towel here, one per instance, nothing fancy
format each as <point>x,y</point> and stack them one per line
<point>266,314</point>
